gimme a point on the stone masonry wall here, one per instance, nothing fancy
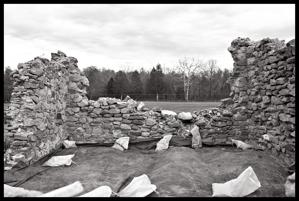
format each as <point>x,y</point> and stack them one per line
<point>36,114</point>
<point>107,119</point>
<point>262,99</point>
<point>49,104</point>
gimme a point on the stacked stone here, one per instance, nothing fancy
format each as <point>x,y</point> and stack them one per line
<point>262,98</point>
<point>37,99</point>
<point>268,66</point>
<point>49,104</point>
<point>111,118</point>
<point>215,126</point>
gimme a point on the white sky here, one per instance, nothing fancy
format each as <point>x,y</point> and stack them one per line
<point>128,37</point>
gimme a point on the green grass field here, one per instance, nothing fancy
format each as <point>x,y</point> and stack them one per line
<point>181,106</point>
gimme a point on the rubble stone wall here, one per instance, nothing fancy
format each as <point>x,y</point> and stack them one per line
<point>36,114</point>
<point>108,119</point>
<point>49,104</point>
<point>262,99</point>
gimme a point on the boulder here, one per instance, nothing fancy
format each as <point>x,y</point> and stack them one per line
<point>140,106</point>
<point>168,112</point>
<point>185,116</point>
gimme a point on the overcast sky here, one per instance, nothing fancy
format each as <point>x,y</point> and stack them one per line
<point>128,37</point>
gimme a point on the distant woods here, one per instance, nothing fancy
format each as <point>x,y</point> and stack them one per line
<point>190,81</point>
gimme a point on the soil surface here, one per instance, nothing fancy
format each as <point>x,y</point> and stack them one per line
<point>178,171</point>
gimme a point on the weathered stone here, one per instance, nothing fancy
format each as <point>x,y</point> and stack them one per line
<point>140,106</point>
<point>107,125</point>
<point>135,132</point>
<point>174,124</point>
<point>145,134</point>
<point>114,111</point>
<point>166,112</point>
<point>125,127</point>
<point>284,92</point>
<point>137,122</point>
<point>239,117</point>
<point>124,110</point>
<point>150,122</point>
<point>284,117</point>
<point>185,116</point>
<point>227,113</point>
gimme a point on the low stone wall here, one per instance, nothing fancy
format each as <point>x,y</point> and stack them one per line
<point>108,119</point>
<point>49,104</point>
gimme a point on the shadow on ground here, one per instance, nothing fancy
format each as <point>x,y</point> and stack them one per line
<point>178,171</point>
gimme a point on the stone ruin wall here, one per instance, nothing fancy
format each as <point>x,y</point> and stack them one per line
<point>36,114</point>
<point>262,98</point>
<point>49,104</point>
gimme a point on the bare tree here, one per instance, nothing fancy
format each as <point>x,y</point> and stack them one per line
<point>211,67</point>
<point>187,67</point>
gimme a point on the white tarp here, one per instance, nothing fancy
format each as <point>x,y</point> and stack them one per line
<point>59,160</point>
<point>102,191</point>
<point>196,138</point>
<point>163,143</point>
<point>66,191</point>
<point>168,112</point>
<point>10,191</point>
<point>139,187</point>
<point>245,184</point>
<point>121,143</point>
<point>69,144</point>
<point>290,186</point>
<point>241,145</point>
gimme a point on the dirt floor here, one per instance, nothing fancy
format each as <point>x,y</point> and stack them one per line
<point>178,171</point>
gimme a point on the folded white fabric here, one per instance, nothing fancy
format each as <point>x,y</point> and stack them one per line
<point>102,191</point>
<point>69,144</point>
<point>10,191</point>
<point>121,143</point>
<point>241,145</point>
<point>163,143</point>
<point>245,184</point>
<point>66,191</point>
<point>139,187</point>
<point>196,138</point>
<point>59,160</point>
<point>290,186</point>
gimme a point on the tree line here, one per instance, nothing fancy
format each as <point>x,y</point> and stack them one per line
<point>190,81</point>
